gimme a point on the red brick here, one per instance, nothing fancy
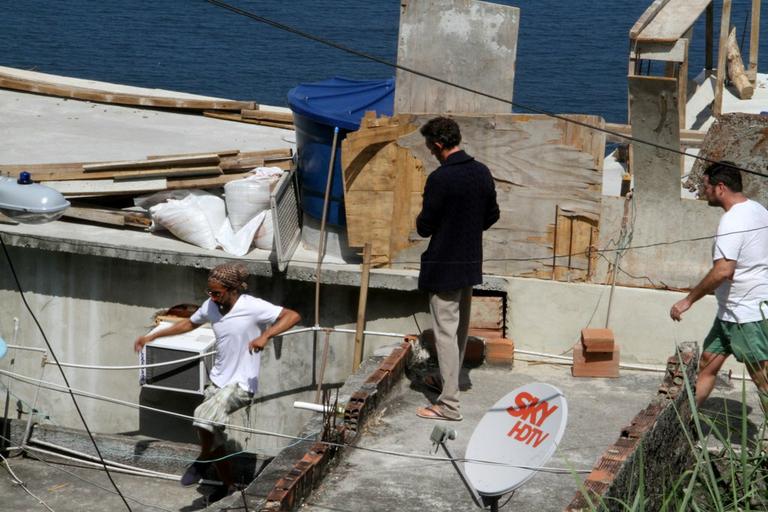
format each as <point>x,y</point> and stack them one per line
<point>597,340</point>
<point>595,364</point>
<point>500,351</point>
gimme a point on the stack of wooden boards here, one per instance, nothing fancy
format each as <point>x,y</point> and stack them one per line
<point>156,173</point>
<point>596,354</point>
<point>256,115</point>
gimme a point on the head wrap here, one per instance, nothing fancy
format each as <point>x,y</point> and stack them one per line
<point>230,275</point>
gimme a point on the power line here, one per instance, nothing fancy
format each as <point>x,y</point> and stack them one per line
<point>61,370</point>
<point>379,60</point>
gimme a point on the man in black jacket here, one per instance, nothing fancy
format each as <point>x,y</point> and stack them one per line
<point>459,204</point>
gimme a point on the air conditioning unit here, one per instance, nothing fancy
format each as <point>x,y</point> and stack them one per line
<point>185,377</point>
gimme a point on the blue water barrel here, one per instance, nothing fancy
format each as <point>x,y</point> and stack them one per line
<point>318,108</point>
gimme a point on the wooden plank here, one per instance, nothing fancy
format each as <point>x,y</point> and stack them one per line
<point>94,215</point>
<point>646,17</point>
<point>155,163</point>
<point>673,20</point>
<point>216,182</point>
<point>133,174</point>
<point>736,73</point>
<point>663,51</point>
<point>240,119</point>
<point>725,23</point>
<point>428,42</point>
<point>689,138</point>
<point>754,41</point>
<point>8,81</point>
<point>107,187</point>
<point>226,152</point>
<point>268,115</point>
<point>175,172</point>
<point>656,173</point>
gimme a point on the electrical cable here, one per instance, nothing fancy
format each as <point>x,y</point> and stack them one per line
<point>15,479</point>
<point>85,480</point>
<point>385,62</point>
<point>61,370</point>
<point>58,387</point>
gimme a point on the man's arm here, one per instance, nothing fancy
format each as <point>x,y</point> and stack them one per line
<point>428,219</point>
<point>287,319</point>
<point>179,327</point>
<point>721,270</point>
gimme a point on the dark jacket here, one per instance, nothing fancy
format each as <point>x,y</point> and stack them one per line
<point>459,204</point>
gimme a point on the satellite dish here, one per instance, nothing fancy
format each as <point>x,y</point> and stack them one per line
<point>519,434</point>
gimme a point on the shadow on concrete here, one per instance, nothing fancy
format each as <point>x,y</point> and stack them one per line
<point>724,420</point>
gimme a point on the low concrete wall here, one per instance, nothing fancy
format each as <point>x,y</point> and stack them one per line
<point>654,450</point>
<point>93,307</point>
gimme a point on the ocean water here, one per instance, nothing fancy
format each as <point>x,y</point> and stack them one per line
<point>572,54</point>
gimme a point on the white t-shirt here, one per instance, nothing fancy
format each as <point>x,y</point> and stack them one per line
<point>245,322</point>
<point>742,235</point>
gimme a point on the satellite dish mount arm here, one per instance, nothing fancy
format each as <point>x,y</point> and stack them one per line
<point>439,436</point>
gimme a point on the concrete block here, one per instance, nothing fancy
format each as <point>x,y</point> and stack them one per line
<point>500,351</point>
<point>595,364</point>
<point>597,340</point>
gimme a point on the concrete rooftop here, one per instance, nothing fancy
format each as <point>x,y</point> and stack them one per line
<point>363,480</point>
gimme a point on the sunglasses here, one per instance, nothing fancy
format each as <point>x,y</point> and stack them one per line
<point>214,294</point>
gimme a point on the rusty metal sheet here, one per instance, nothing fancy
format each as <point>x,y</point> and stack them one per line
<point>742,139</point>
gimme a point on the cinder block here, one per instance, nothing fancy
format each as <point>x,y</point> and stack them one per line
<point>500,351</point>
<point>595,364</point>
<point>597,340</point>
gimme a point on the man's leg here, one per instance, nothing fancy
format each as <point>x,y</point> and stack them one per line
<point>759,374</point>
<point>465,311</point>
<point>709,365</point>
<point>445,309</point>
<point>209,451</point>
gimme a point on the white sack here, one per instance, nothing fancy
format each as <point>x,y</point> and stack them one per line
<point>238,243</point>
<point>247,197</point>
<point>186,220</point>
<point>266,233</point>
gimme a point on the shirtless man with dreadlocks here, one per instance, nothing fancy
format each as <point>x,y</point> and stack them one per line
<point>243,325</point>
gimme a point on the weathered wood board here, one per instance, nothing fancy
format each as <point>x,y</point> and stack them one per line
<point>539,164</point>
<point>461,41</point>
<point>672,20</point>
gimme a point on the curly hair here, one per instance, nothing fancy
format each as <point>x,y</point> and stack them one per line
<point>230,275</point>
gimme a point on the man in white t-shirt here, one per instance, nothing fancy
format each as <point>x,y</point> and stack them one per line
<point>243,325</point>
<point>739,278</point>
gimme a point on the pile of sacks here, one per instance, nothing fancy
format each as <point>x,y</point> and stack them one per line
<point>236,223</point>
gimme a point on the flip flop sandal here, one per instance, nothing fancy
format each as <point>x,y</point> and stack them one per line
<point>434,412</point>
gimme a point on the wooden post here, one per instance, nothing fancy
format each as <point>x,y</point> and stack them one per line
<point>682,81</point>
<point>736,72</point>
<point>360,329</point>
<point>725,23</point>
<point>754,41</point>
<point>709,39</point>
<point>321,378</point>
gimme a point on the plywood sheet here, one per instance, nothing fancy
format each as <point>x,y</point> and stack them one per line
<point>539,165</point>
<point>467,42</point>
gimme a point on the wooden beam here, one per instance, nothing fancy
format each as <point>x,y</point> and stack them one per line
<point>646,18</point>
<point>8,81</point>
<point>709,39</point>
<point>361,306</point>
<point>107,187</point>
<point>689,138</point>
<point>725,23</point>
<point>736,73</point>
<point>176,172</point>
<point>207,159</point>
<point>268,115</point>
<point>754,41</point>
<point>225,116</point>
<point>673,20</point>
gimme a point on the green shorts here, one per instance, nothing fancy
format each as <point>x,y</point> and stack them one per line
<point>747,342</point>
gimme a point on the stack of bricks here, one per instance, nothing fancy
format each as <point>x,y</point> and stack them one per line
<point>596,354</point>
<point>500,351</point>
